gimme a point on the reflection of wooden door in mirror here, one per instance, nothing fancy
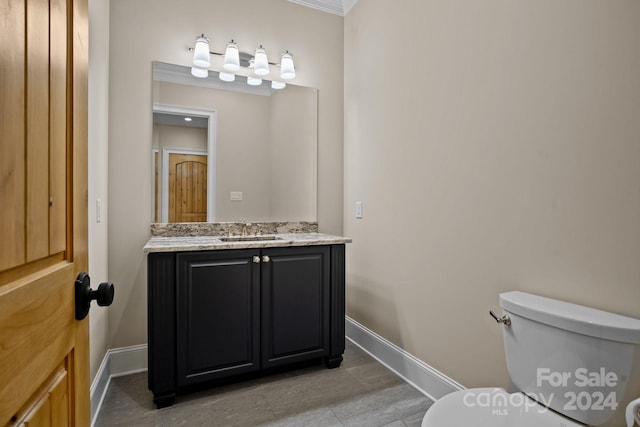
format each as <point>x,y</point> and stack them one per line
<point>44,350</point>
<point>187,188</point>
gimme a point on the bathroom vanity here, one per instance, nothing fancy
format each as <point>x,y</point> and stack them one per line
<point>217,308</point>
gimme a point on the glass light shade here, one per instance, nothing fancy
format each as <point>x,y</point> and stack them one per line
<point>201,53</point>
<point>261,64</point>
<point>226,77</point>
<point>254,81</point>
<point>232,57</point>
<point>199,72</point>
<point>287,70</point>
<point>278,85</point>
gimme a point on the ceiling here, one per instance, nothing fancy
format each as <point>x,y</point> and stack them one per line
<point>175,119</point>
<point>337,7</point>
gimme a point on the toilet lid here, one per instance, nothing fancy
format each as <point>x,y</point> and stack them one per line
<point>492,407</point>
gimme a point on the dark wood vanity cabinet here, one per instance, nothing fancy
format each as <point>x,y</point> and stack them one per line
<point>295,304</point>
<point>216,314</point>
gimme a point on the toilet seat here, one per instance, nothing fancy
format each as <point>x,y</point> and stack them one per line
<point>492,407</point>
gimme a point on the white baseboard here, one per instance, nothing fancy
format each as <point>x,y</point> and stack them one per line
<point>426,379</point>
<point>116,363</point>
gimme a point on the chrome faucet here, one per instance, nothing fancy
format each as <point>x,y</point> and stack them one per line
<point>244,228</point>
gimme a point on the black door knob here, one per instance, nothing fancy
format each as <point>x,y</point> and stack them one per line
<point>84,294</point>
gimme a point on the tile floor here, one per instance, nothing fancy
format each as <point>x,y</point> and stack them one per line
<point>361,392</point>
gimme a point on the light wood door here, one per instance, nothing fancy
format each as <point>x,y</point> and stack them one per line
<point>44,366</point>
<point>187,188</point>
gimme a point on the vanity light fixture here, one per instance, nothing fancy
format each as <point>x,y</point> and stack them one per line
<point>188,119</point>
<point>261,64</point>
<point>234,60</point>
<point>201,57</point>
<point>232,57</point>
<point>287,70</point>
<point>278,85</point>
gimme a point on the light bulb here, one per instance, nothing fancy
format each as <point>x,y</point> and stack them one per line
<point>232,57</point>
<point>278,85</point>
<point>261,64</point>
<point>287,70</point>
<point>201,53</point>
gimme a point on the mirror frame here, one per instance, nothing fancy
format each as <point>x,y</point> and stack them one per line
<point>211,116</point>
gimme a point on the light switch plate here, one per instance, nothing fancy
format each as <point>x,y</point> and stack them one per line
<point>236,196</point>
<point>98,210</point>
<point>359,210</point>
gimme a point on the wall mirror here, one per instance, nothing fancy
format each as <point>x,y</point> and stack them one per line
<point>227,151</point>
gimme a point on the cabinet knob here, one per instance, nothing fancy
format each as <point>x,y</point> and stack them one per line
<point>256,259</point>
<point>266,258</point>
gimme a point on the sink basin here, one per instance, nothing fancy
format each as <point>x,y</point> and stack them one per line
<point>248,238</point>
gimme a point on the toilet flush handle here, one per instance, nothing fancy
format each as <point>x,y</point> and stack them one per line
<point>505,320</point>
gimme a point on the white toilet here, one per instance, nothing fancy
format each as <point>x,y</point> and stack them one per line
<point>573,359</point>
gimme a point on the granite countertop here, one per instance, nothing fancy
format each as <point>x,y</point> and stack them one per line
<point>200,243</point>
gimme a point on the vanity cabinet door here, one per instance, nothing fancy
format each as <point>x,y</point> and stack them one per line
<point>217,315</point>
<point>295,304</point>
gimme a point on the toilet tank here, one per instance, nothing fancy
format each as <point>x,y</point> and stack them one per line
<point>573,359</point>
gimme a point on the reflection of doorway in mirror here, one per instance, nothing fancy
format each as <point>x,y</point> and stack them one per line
<point>185,131</point>
<point>187,187</point>
<point>184,176</point>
